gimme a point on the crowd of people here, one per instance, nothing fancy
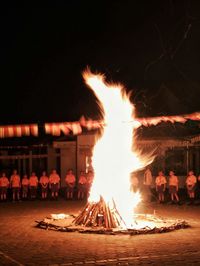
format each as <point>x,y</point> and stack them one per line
<point>46,186</point>
<point>192,185</point>
<point>32,187</point>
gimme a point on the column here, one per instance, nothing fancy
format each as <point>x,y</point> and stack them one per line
<point>51,159</point>
<point>30,162</point>
<point>191,159</point>
<point>68,160</point>
<point>197,161</point>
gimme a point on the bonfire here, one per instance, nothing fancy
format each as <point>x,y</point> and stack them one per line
<point>111,203</point>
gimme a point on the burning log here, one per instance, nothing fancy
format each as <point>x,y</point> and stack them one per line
<point>99,215</point>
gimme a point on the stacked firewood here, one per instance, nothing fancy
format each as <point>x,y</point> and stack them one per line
<point>100,218</point>
<point>99,214</point>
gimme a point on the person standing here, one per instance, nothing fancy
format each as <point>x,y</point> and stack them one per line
<point>54,184</point>
<point>44,182</point>
<point>33,182</point>
<point>82,183</point>
<point>25,186</point>
<point>70,184</point>
<point>173,186</point>
<point>15,184</point>
<point>148,179</point>
<point>4,183</point>
<point>161,186</point>
<point>191,181</point>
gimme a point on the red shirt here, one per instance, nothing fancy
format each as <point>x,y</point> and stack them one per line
<point>82,180</point>
<point>15,181</point>
<point>33,181</point>
<point>44,180</point>
<point>25,182</point>
<point>54,179</point>
<point>70,179</point>
<point>4,181</point>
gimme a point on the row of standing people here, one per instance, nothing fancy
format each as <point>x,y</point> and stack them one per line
<point>173,184</point>
<point>84,184</point>
<point>21,187</point>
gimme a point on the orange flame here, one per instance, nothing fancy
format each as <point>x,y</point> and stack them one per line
<point>113,156</point>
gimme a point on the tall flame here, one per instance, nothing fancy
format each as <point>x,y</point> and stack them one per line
<point>113,155</point>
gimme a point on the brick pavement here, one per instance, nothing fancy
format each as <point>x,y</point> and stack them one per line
<point>23,244</point>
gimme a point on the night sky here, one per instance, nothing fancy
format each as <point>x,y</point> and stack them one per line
<point>152,47</point>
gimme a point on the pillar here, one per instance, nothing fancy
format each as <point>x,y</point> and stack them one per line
<point>85,144</point>
<point>30,162</point>
<point>197,160</point>
<point>24,165</point>
<point>68,160</point>
<point>51,159</point>
<point>191,159</point>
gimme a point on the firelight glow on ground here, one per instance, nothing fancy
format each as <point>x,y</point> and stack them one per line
<point>114,156</point>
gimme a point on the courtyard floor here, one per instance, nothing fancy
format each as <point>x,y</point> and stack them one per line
<point>21,243</point>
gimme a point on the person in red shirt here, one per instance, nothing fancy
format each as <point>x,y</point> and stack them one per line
<point>25,186</point>
<point>15,184</point>
<point>161,186</point>
<point>191,181</point>
<point>173,186</point>
<point>4,183</point>
<point>82,185</point>
<point>33,182</point>
<point>70,184</point>
<point>54,184</point>
<point>44,182</point>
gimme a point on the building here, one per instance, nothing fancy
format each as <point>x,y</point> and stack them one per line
<point>75,152</point>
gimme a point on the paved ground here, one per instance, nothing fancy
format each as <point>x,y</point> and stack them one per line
<point>23,244</point>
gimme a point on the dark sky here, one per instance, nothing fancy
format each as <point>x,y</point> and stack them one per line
<point>152,47</point>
